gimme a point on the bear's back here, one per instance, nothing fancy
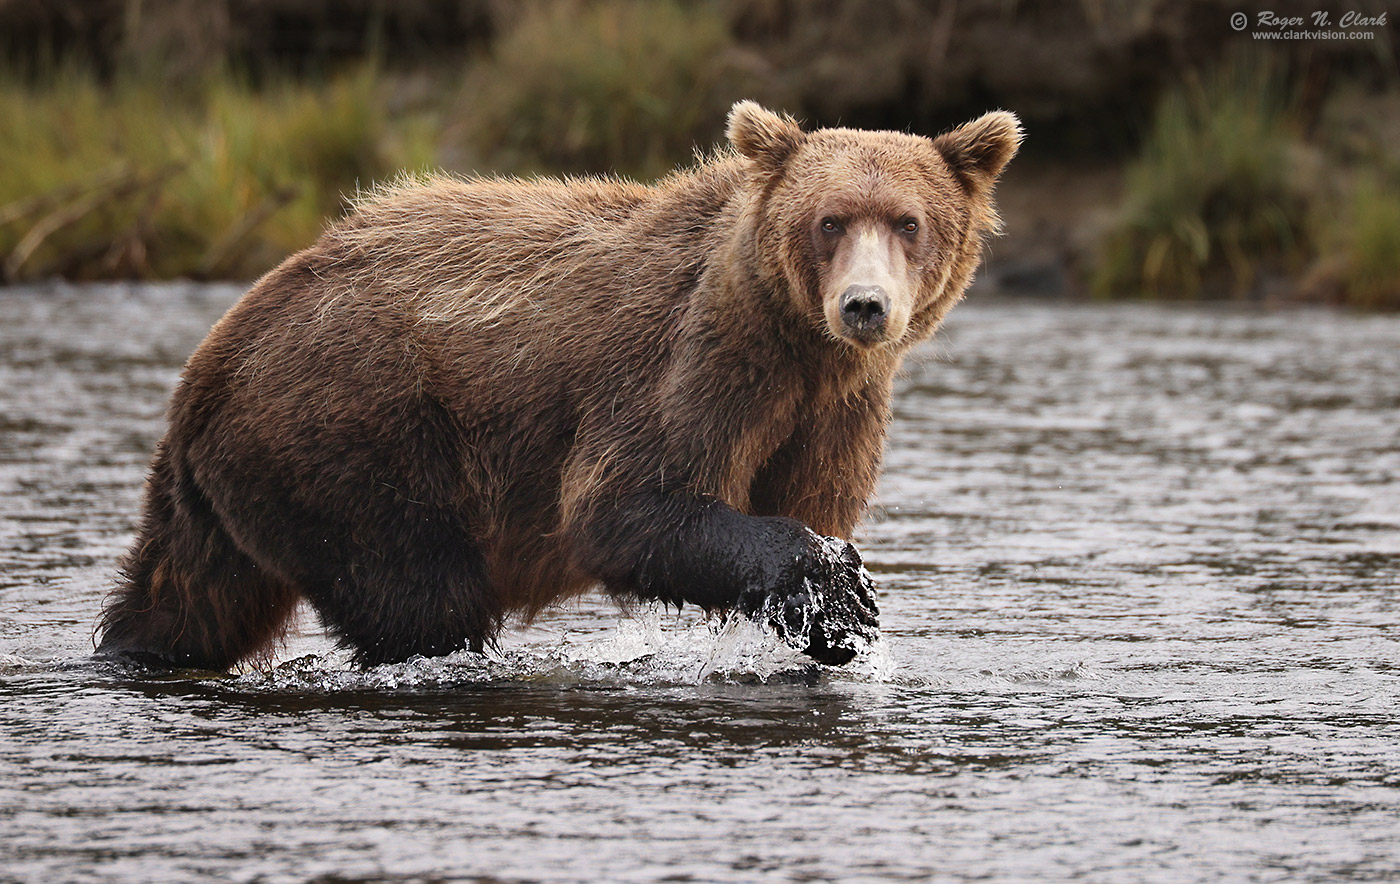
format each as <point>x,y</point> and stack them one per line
<point>496,275</point>
<point>455,245</point>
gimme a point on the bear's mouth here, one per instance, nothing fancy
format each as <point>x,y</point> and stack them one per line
<point>864,338</point>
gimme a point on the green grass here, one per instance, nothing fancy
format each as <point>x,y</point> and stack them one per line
<point>1213,196</point>
<point>1366,235</point>
<point>1227,187</point>
<point>129,179</point>
<point>154,176</point>
<point>616,85</point>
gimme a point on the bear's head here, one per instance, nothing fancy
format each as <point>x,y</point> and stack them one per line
<point>876,234</point>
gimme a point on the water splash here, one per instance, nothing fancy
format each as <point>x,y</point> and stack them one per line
<point>14,663</point>
<point>648,645</point>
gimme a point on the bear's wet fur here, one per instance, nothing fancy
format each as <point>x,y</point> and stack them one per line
<point>473,398</point>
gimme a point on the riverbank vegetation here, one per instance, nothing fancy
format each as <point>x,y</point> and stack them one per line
<point>1230,195</point>
<point>214,139</point>
<point>215,180</point>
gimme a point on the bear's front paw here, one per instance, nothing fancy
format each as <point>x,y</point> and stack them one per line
<point>824,607</point>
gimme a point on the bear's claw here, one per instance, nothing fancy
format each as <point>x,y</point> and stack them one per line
<point>833,614</point>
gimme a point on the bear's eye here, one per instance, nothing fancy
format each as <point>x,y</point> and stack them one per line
<point>909,225</point>
<point>831,225</point>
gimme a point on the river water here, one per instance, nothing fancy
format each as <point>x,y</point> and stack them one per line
<point>1140,585</point>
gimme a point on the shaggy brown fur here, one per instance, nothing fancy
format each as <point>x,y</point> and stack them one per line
<point>477,397</point>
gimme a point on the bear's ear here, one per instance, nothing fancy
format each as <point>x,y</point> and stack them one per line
<point>762,135</point>
<point>979,150</point>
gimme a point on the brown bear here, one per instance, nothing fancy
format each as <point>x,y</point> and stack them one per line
<point>472,398</point>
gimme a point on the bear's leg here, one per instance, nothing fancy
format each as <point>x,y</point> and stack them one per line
<point>189,597</point>
<point>427,597</point>
<point>813,590</point>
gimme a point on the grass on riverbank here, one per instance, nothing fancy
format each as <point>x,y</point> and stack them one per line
<point>141,177</point>
<point>1360,261</point>
<point>620,86</point>
<point>216,180</point>
<point>1213,193</point>
<point>1229,193</point>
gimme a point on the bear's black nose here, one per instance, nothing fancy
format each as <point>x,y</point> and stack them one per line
<point>863,309</point>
